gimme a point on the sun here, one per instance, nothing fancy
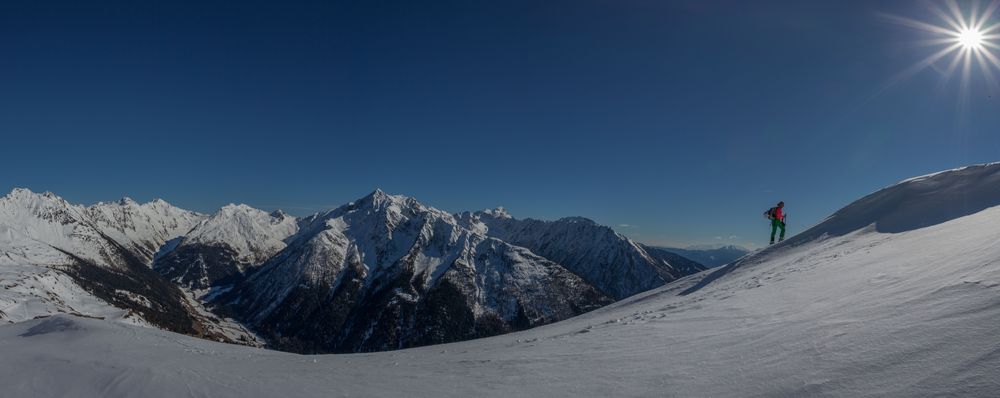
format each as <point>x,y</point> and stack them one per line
<point>971,39</point>
<point>966,40</point>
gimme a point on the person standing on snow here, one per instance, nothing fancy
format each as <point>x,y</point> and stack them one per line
<point>777,217</point>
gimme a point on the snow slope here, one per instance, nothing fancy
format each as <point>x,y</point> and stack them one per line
<point>233,241</point>
<point>386,272</point>
<point>98,233</point>
<point>254,234</point>
<point>615,264</point>
<point>43,238</point>
<point>142,228</point>
<point>860,313</point>
<point>28,291</point>
<point>45,229</point>
<point>57,257</point>
<point>917,202</point>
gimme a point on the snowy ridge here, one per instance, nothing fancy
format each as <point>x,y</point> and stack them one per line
<point>853,313</point>
<point>229,243</point>
<point>254,234</point>
<point>95,233</point>
<point>604,258</point>
<point>39,236</point>
<point>383,272</point>
<point>144,228</point>
<point>387,272</point>
<point>41,229</point>
<point>56,257</point>
<point>916,203</point>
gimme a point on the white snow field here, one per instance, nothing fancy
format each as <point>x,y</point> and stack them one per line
<point>912,311</point>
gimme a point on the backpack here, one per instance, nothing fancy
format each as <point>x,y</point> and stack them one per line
<point>771,213</point>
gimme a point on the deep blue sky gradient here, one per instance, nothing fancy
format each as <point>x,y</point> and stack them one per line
<point>683,120</point>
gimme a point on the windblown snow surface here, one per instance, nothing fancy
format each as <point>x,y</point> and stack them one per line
<point>894,307</point>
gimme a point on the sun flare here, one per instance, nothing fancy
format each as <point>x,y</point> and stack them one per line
<point>971,38</point>
<point>966,40</point>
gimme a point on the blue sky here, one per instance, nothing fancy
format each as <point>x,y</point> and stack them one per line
<point>680,122</point>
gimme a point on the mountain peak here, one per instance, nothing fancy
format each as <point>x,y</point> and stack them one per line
<point>378,199</point>
<point>379,195</point>
<point>581,220</point>
<point>25,195</point>
<point>127,201</point>
<point>159,203</point>
<point>376,196</point>
<point>233,208</point>
<point>499,212</point>
<point>252,233</point>
<point>20,192</point>
<point>279,214</point>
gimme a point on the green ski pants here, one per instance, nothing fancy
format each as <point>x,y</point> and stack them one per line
<point>775,224</point>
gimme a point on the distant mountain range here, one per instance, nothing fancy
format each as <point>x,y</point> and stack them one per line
<point>383,272</point>
<point>56,257</point>
<point>710,256</point>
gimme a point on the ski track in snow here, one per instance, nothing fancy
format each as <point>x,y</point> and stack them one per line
<point>863,314</point>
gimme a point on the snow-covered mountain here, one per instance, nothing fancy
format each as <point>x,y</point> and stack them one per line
<point>56,257</point>
<point>709,255</point>
<point>896,295</point>
<point>386,272</point>
<point>915,203</point>
<point>44,229</point>
<point>231,242</point>
<point>604,258</point>
<point>142,228</point>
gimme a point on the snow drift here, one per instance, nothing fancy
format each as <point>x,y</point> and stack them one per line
<point>917,203</point>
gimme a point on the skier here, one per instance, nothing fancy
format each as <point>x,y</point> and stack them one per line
<point>777,217</point>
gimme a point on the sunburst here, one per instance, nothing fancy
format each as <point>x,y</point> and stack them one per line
<point>971,39</point>
<point>963,39</point>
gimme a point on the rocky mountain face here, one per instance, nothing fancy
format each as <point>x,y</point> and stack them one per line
<point>604,258</point>
<point>231,242</point>
<point>104,250</point>
<point>386,272</point>
<point>145,228</point>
